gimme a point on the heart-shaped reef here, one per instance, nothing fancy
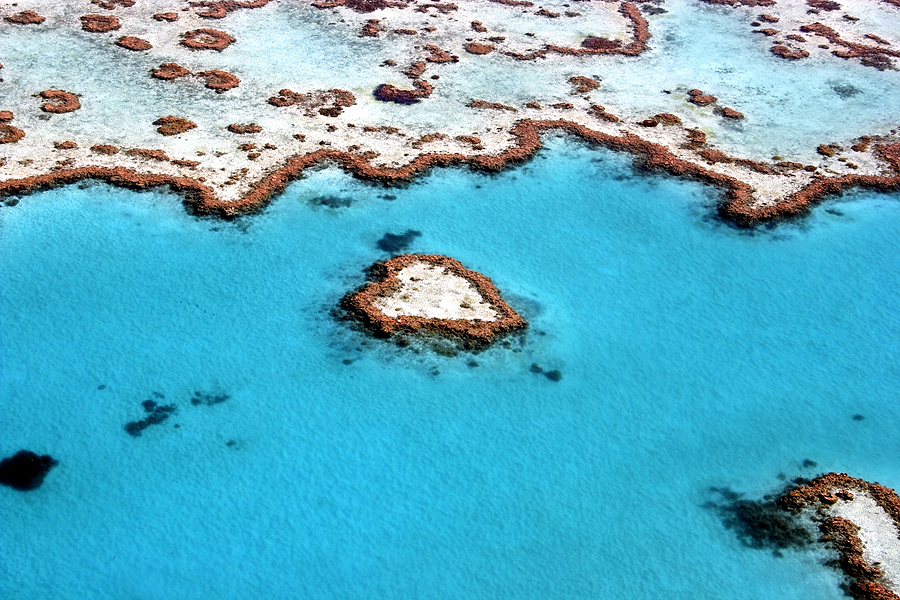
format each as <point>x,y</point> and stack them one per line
<point>433,295</point>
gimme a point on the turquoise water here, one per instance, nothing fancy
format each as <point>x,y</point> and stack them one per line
<point>693,355</point>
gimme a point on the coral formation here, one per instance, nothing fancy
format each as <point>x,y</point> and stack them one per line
<point>59,101</point>
<point>206,39</point>
<point>99,23</point>
<point>362,305</point>
<point>172,125</point>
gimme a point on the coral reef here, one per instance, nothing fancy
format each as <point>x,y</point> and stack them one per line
<point>206,39</point>
<point>172,125</point>
<point>328,103</point>
<point>25,470</point>
<point>244,128</point>
<point>26,17</point>
<point>99,23</point>
<point>473,333</point>
<point>59,101</point>
<point>220,81</point>
<point>866,582</point>
<point>133,43</point>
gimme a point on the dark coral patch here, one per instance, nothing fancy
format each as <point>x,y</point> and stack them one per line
<point>133,43</point>
<point>220,81</point>
<point>169,71</point>
<point>25,470</point>
<point>59,101</point>
<point>172,125</point>
<point>26,17</point>
<point>10,134</point>
<point>240,128</point>
<point>99,23</point>
<point>206,39</point>
<point>397,242</point>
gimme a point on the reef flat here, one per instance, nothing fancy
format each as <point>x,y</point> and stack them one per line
<point>179,94</point>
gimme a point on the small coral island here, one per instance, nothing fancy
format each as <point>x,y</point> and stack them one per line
<point>432,294</point>
<point>861,521</point>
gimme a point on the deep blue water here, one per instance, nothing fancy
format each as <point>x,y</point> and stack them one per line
<point>693,355</point>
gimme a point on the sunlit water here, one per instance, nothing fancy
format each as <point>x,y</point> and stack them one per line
<point>693,355</point>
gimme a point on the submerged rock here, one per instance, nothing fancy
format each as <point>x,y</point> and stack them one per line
<point>397,242</point>
<point>25,470</point>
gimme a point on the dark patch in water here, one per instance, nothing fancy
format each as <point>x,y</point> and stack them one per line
<point>845,90</point>
<point>208,399</point>
<point>835,212</point>
<point>388,197</point>
<point>554,375</point>
<point>809,464</point>
<point>759,524</point>
<point>649,9</point>
<point>393,243</point>
<point>858,417</point>
<point>102,386</point>
<point>158,414</point>
<point>25,470</point>
<point>331,201</point>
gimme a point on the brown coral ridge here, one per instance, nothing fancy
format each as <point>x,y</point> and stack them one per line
<point>59,101</point>
<point>99,23</point>
<point>166,16</point>
<point>697,97</point>
<point>389,93</point>
<point>870,56</point>
<point>329,103</point>
<point>220,10</point>
<point>782,51</point>
<point>26,17</point>
<point>111,4</point>
<point>169,71</point>
<point>478,48</point>
<point>842,534</point>
<point>206,39</point>
<point>135,44</point>
<point>473,333</point>
<point>490,105</point>
<point>593,45</point>
<point>371,29</point>
<point>360,6</point>
<point>8,133</point>
<point>741,2</point>
<point>737,206</point>
<point>219,81</point>
<point>241,128</point>
<point>583,84</point>
<point>172,125</point>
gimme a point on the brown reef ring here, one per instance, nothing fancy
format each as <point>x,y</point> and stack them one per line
<point>362,305</point>
<point>206,39</point>
<point>59,101</point>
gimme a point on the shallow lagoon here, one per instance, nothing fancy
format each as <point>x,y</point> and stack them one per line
<point>693,355</point>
